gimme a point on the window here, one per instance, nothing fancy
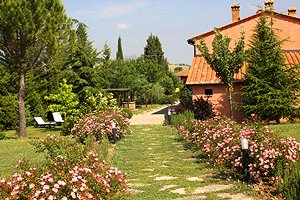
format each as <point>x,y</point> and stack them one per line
<point>208,92</point>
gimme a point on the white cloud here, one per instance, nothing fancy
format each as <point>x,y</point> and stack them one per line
<point>123,26</point>
<point>115,10</point>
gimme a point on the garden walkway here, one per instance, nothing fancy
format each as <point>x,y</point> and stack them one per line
<point>159,167</point>
<point>157,116</point>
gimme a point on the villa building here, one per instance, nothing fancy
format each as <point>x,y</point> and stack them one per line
<point>202,79</point>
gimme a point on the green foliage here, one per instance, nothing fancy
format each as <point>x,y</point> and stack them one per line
<point>183,119</point>
<point>128,112</point>
<point>69,123</point>
<point>185,95</point>
<point>8,112</point>
<point>64,101</point>
<point>271,87</point>
<point>82,61</point>
<point>119,51</point>
<point>2,136</point>
<point>96,101</point>
<point>153,50</point>
<point>224,61</point>
<point>29,35</point>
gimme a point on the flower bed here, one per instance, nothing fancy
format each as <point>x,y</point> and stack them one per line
<point>219,139</point>
<point>99,124</point>
<point>71,171</point>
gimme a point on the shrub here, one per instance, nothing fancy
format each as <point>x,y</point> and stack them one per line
<point>202,109</point>
<point>185,95</point>
<point>9,112</point>
<point>98,124</point>
<point>2,136</point>
<point>128,112</point>
<point>68,124</point>
<point>183,119</point>
<point>219,139</point>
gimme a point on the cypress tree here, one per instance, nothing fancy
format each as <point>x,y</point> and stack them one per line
<point>271,87</point>
<point>120,51</point>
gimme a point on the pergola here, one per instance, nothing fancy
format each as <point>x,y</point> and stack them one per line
<point>123,95</point>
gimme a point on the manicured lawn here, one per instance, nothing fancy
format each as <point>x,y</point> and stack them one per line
<point>287,130</point>
<point>154,152</point>
<point>12,150</point>
<point>149,108</point>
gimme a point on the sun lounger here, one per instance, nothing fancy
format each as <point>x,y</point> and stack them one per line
<point>41,123</point>
<point>57,118</point>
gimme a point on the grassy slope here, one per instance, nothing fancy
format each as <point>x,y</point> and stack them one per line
<point>157,148</point>
<point>14,149</point>
<point>287,130</point>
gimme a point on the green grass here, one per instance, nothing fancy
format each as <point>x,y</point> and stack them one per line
<point>158,148</point>
<point>12,150</point>
<point>287,130</point>
<point>144,109</point>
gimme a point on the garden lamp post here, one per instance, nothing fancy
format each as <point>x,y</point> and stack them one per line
<point>113,126</point>
<point>169,116</point>
<point>245,158</point>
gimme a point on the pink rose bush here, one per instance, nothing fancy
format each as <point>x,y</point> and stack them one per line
<point>72,170</point>
<point>99,124</point>
<point>219,139</point>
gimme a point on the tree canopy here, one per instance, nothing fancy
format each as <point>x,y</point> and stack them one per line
<point>153,50</point>
<point>271,87</point>
<point>224,61</point>
<point>30,32</point>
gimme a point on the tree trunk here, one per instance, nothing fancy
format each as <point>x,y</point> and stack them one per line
<point>22,115</point>
<point>230,89</point>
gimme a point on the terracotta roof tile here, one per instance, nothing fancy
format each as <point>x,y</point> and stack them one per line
<point>183,73</point>
<point>201,72</point>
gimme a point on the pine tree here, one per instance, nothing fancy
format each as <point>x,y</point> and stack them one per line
<point>271,87</point>
<point>30,32</point>
<point>224,61</point>
<point>153,50</point>
<point>120,51</point>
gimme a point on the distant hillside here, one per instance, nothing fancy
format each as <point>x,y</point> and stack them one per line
<point>178,67</point>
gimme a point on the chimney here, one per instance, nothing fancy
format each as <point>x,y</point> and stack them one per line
<point>292,12</point>
<point>235,11</point>
<point>269,5</point>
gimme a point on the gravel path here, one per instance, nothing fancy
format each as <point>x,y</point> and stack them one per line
<point>157,116</point>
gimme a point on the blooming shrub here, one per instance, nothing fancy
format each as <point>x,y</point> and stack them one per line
<point>71,173</point>
<point>220,138</point>
<point>99,125</point>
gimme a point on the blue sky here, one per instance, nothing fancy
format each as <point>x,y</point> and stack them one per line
<point>173,21</point>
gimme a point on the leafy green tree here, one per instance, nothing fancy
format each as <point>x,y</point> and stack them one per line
<point>271,87</point>
<point>224,61</point>
<point>30,32</point>
<point>153,50</point>
<point>120,51</point>
<point>64,101</point>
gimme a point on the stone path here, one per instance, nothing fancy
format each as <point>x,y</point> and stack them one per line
<point>159,167</point>
<point>156,116</point>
